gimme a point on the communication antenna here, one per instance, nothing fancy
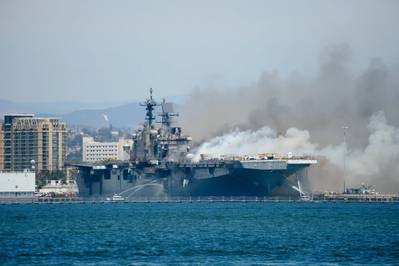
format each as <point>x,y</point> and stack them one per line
<point>344,129</point>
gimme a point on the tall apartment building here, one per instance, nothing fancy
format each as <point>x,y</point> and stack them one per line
<point>24,138</point>
<point>94,151</point>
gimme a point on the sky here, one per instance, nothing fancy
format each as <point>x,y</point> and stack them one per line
<point>96,51</point>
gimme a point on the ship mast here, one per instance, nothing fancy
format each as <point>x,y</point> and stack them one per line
<point>166,116</point>
<point>150,103</point>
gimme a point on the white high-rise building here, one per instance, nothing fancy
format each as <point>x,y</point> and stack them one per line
<point>94,151</point>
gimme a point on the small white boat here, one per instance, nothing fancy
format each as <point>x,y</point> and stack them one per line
<point>116,197</point>
<point>305,197</point>
<point>302,194</point>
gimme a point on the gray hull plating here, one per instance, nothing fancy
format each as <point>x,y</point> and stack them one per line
<point>230,178</point>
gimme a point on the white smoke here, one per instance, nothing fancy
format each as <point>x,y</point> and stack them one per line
<point>382,152</point>
<point>378,161</point>
<point>264,140</point>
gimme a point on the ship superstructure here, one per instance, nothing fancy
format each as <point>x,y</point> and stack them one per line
<point>153,144</point>
<point>161,164</point>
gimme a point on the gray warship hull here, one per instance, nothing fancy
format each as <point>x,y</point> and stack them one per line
<point>211,178</point>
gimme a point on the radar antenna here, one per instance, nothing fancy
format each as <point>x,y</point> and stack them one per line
<point>167,114</point>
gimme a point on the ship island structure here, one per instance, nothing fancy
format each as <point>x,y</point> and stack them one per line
<point>162,165</point>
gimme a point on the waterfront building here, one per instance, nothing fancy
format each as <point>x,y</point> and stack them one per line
<point>25,139</point>
<point>57,187</point>
<point>19,184</point>
<point>94,151</point>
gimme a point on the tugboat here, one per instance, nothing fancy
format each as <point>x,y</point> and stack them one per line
<point>304,196</point>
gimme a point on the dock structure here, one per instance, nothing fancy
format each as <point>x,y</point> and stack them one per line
<point>358,197</point>
<point>386,198</point>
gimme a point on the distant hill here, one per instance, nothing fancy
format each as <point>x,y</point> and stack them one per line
<point>82,114</point>
<point>55,108</point>
<point>123,116</point>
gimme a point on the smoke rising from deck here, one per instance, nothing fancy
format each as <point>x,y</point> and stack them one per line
<point>306,116</point>
<point>252,142</point>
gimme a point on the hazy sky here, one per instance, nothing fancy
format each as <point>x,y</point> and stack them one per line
<point>115,50</point>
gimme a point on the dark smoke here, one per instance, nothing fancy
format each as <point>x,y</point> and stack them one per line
<point>320,106</point>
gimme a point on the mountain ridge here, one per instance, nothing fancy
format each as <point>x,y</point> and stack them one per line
<point>127,115</point>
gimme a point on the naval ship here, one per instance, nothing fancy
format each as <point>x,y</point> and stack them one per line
<point>161,164</point>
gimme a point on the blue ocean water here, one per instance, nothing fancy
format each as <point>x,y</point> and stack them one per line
<point>199,233</point>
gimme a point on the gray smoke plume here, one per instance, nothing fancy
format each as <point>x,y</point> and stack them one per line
<point>302,115</point>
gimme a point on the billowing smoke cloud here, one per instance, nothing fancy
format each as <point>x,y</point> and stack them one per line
<point>306,116</point>
<point>377,162</point>
<point>263,140</point>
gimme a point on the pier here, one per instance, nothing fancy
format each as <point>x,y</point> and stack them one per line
<point>386,198</point>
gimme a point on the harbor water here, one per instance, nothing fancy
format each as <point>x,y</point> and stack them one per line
<point>199,233</point>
